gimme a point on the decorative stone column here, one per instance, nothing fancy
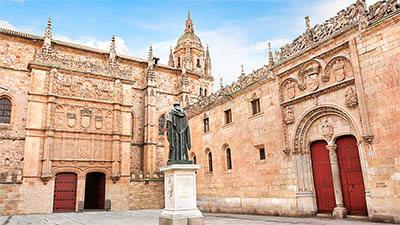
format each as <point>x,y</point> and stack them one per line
<point>180,196</point>
<point>339,211</point>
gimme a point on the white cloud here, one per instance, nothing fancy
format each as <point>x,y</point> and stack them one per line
<point>94,43</point>
<point>91,42</point>
<point>7,25</point>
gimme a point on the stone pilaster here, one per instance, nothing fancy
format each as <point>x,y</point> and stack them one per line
<point>339,211</point>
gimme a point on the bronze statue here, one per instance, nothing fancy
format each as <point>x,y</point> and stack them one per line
<point>178,133</point>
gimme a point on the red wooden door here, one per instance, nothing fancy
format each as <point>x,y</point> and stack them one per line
<point>351,176</point>
<point>100,194</point>
<point>323,181</point>
<point>64,192</point>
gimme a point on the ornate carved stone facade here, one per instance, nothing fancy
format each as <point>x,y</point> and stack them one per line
<point>83,111</point>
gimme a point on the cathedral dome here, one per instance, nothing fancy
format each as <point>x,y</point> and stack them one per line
<point>189,37</point>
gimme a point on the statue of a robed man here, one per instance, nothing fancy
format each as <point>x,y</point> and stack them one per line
<point>178,133</point>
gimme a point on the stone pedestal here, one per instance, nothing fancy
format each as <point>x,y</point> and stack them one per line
<point>180,196</point>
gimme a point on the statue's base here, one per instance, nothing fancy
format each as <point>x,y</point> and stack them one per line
<point>171,162</point>
<point>181,221</point>
<point>180,195</point>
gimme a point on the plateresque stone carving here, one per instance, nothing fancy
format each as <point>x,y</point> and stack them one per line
<point>351,98</point>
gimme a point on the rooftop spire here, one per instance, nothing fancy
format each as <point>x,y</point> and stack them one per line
<point>171,58</point>
<point>242,74</point>
<point>189,24</point>
<point>221,84</point>
<point>307,18</point>
<point>46,48</point>
<point>150,57</point>
<point>270,57</point>
<point>207,63</point>
<point>150,67</point>
<point>113,52</point>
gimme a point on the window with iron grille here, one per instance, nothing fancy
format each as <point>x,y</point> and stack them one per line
<point>228,116</point>
<point>262,153</point>
<point>255,105</point>
<point>206,125</point>
<point>5,110</point>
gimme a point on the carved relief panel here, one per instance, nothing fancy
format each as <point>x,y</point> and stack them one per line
<point>83,118</point>
<point>85,88</point>
<point>309,75</point>
<point>338,69</point>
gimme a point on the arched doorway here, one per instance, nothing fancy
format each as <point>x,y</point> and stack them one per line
<point>65,192</point>
<point>323,181</point>
<point>95,190</point>
<point>351,176</point>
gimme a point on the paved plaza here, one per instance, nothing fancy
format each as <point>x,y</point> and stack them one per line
<point>150,217</point>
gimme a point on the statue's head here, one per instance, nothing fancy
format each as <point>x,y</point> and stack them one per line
<point>177,105</point>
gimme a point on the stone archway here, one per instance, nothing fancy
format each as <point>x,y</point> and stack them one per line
<point>324,122</point>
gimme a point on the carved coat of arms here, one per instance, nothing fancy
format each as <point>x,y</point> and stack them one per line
<point>290,88</point>
<point>71,118</point>
<point>312,82</point>
<point>85,117</point>
<point>339,71</point>
<point>99,122</point>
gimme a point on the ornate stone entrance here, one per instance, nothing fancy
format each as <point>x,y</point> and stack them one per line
<point>318,130</point>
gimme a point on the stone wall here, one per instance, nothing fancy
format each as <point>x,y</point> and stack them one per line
<point>379,54</point>
<point>14,76</point>
<point>10,199</point>
<point>252,185</point>
<point>146,194</point>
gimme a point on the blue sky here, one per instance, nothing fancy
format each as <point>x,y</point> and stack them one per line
<point>237,31</point>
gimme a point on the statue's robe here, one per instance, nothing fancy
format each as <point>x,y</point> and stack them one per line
<point>178,133</point>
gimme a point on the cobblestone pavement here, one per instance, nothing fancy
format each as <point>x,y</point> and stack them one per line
<point>150,217</point>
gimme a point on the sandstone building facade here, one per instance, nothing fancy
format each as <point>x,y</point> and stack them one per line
<point>316,130</point>
<point>83,128</point>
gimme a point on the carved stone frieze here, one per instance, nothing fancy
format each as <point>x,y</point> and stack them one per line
<point>381,9</point>
<point>81,87</point>
<point>87,66</point>
<point>351,98</point>
<point>356,13</point>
